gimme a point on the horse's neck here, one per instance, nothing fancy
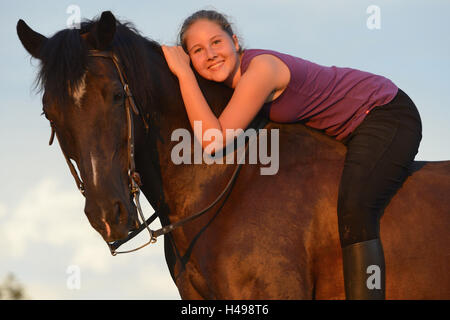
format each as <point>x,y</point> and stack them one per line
<point>183,188</point>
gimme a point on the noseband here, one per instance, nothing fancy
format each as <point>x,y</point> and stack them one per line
<point>134,178</point>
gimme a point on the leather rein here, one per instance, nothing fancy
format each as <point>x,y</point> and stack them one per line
<point>134,178</point>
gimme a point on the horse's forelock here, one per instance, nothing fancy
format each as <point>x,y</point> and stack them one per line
<point>63,65</point>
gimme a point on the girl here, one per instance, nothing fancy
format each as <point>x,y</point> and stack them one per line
<point>377,121</point>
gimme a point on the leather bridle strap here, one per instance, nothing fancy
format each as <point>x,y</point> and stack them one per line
<point>135,180</point>
<point>112,56</point>
<point>73,171</point>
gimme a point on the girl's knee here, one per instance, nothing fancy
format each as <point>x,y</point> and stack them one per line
<point>357,221</point>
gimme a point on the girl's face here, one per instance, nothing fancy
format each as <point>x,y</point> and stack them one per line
<point>214,54</point>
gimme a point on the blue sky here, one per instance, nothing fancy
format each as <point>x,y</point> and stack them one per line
<point>43,229</point>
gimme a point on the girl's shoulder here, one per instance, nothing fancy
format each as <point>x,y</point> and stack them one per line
<point>291,62</point>
<point>249,54</point>
<point>296,66</point>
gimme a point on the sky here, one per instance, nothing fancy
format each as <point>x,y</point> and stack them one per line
<point>45,238</point>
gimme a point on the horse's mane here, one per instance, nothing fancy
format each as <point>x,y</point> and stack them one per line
<point>64,61</point>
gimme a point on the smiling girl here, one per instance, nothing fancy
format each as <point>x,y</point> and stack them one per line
<point>377,121</point>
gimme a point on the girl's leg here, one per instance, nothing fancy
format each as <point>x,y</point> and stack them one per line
<point>379,153</point>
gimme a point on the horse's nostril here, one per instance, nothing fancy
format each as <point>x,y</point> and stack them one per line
<point>123,216</point>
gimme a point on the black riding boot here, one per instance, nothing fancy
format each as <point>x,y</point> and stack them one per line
<point>364,270</point>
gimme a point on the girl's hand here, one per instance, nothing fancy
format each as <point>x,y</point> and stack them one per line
<point>177,60</point>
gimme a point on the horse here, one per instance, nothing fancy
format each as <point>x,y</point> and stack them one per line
<point>271,236</point>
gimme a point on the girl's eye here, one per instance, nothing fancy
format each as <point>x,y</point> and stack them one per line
<point>216,41</point>
<point>197,50</point>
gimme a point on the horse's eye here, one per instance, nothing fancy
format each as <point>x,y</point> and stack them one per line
<point>118,97</point>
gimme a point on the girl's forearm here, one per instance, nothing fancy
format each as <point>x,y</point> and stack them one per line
<point>197,108</point>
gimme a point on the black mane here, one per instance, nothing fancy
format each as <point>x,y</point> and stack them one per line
<point>63,63</point>
<point>64,60</point>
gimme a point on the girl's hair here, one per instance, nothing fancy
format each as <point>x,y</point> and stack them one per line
<point>211,15</point>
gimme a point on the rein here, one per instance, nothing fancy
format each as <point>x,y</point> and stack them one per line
<point>135,180</point>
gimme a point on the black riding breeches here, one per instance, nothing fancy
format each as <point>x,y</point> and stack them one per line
<point>379,153</point>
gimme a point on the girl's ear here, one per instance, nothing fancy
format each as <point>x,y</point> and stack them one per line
<point>236,43</point>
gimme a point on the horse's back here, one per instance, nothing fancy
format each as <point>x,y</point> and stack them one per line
<point>414,228</point>
<point>415,234</point>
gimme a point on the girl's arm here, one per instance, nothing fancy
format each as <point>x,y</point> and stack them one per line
<point>255,86</point>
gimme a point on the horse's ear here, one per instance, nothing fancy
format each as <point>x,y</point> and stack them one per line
<point>31,40</point>
<point>105,31</point>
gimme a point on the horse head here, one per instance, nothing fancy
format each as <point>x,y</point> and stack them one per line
<point>85,102</point>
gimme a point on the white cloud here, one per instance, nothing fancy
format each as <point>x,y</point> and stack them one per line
<point>47,231</point>
<point>47,214</point>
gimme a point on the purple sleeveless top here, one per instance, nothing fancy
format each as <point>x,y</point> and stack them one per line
<point>332,99</point>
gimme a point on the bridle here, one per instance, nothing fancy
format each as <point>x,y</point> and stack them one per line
<point>134,177</point>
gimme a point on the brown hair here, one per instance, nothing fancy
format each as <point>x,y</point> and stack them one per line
<point>211,15</point>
